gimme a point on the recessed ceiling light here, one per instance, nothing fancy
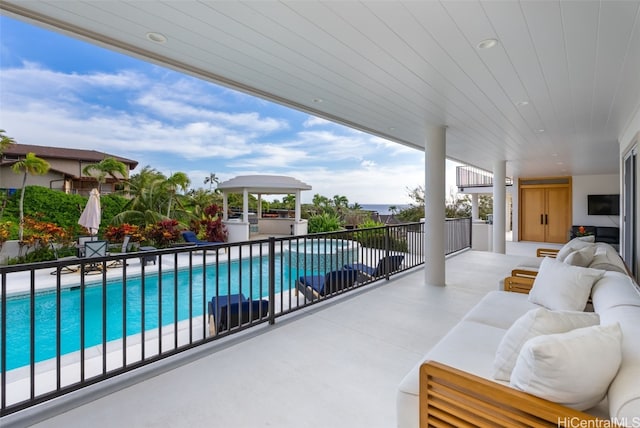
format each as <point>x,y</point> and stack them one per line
<point>317,100</point>
<point>522,103</point>
<point>487,44</point>
<point>156,37</point>
<point>392,128</point>
<point>539,131</point>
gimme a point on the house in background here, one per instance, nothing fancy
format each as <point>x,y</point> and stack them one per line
<point>65,173</point>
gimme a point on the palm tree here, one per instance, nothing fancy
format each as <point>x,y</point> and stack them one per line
<point>106,167</point>
<point>212,179</point>
<point>30,165</point>
<point>144,208</point>
<point>289,202</point>
<point>5,141</point>
<point>179,180</point>
<point>340,201</point>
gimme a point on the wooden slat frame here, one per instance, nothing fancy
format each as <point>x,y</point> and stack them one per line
<point>547,252</point>
<point>453,398</point>
<point>518,284</point>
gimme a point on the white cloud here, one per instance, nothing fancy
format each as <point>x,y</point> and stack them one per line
<point>174,123</point>
<point>315,121</point>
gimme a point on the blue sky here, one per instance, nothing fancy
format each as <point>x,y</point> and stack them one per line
<point>58,91</point>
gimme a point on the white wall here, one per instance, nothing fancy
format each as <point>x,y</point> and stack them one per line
<point>584,185</point>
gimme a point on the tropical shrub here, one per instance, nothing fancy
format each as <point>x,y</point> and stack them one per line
<point>324,223</point>
<point>37,238</point>
<point>163,233</point>
<point>210,227</point>
<point>116,234</point>
<point>5,232</point>
<point>372,234</point>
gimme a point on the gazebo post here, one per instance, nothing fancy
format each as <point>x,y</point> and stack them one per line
<point>259,205</point>
<point>225,206</point>
<point>298,213</point>
<point>245,205</point>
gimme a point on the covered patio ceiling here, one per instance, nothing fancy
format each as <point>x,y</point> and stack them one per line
<point>551,97</point>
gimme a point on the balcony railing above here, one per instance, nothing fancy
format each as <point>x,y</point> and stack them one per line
<point>470,176</point>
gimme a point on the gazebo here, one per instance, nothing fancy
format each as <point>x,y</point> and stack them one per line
<point>240,229</point>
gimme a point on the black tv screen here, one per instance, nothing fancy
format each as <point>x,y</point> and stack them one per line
<point>603,204</point>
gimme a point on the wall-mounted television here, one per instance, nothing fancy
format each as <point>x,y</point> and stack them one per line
<point>603,204</point>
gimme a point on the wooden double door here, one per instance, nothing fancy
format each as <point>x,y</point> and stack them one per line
<point>545,213</point>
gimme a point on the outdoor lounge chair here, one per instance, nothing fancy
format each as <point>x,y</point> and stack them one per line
<point>385,266</point>
<point>230,311</point>
<point>317,286</point>
<point>123,249</point>
<point>66,268</point>
<point>191,238</point>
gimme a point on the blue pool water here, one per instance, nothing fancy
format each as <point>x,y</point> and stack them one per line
<point>252,275</point>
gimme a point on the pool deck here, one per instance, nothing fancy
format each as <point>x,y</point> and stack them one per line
<point>336,364</point>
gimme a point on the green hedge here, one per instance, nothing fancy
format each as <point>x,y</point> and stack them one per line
<point>58,207</point>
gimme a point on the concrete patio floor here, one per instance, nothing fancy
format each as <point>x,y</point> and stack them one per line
<point>337,364</point>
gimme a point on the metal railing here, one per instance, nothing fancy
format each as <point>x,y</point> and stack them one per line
<point>470,176</point>
<point>65,331</point>
<point>457,234</point>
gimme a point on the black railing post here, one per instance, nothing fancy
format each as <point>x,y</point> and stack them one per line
<point>470,232</point>
<point>272,280</point>
<point>387,241</point>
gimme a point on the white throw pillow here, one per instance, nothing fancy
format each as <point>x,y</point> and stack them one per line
<point>574,245</point>
<point>534,323</point>
<point>562,287</point>
<point>582,257</point>
<point>573,368</point>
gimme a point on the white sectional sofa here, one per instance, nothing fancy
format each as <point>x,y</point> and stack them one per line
<point>471,347</point>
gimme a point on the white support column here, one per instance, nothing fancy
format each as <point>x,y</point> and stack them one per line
<point>434,212</point>
<point>225,206</point>
<point>298,213</point>
<point>474,207</point>
<point>245,206</point>
<point>499,206</point>
<point>259,214</point>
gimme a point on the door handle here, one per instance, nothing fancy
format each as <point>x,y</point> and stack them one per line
<point>546,219</point>
<point>541,218</point>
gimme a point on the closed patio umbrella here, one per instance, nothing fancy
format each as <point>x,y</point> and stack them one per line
<point>90,217</point>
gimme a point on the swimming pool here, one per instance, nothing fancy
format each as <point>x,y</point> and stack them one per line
<point>223,279</point>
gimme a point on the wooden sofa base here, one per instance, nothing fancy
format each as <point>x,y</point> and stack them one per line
<point>453,398</point>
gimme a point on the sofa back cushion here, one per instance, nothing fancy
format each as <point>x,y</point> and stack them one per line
<point>562,287</point>
<point>624,392</point>
<point>607,258</point>
<point>614,289</point>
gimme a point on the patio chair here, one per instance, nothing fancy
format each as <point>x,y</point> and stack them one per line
<point>94,249</point>
<point>230,311</point>
<point>316,286</point>
<point>385,266</point>
<point>80,245</point>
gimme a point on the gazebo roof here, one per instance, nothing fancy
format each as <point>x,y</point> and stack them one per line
<point>263,184</point>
